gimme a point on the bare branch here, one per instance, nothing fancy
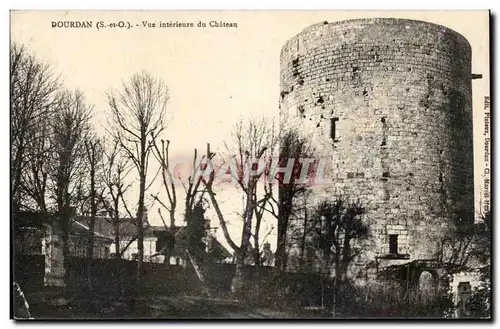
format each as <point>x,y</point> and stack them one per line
<point>138,112</point>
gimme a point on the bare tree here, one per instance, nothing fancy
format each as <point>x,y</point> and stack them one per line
<point>212,195</point>
<point>293,148</point>
<point>161,154</point>
<point>192,202</point>
<point>138,113</point>
<point>247,151</point>
<point>36,174</point>
<point>115,174</point>
<point>260,209</point>
<point>338,225</point>
<point>70,128</point>
<point>33,86</point>
<point>195,210</point>
<point>466,243</point>
<point>306,230</point>
<point>259,214</point>
<point>300,229</point>
<point>196,229</point>
<point>93,159</point>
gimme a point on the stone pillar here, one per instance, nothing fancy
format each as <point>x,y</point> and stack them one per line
<point>54,259</point>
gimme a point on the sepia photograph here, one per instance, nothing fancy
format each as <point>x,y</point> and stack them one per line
<point>244,164</point>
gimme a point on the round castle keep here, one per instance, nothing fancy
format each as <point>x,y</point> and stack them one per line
<point>387,104</point>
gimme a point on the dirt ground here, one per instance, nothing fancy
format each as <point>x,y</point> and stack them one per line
<point>164,307</point>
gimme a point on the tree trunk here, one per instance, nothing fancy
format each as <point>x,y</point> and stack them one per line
<point>280,250</point>
<point>93,214</point>
<point>345,260</point>
<point>90,256</point>
<point>239,279</point>
<point>281,246</point>
<point>17,178</point>
<point>65,225</point>
<point>256,253</point>
<point>172,220</point>
<point>140,233</point>
<point>17,164</point>
<point>65,228</point>
<point>303,242</point>
<point>284,209</point>
<point>238,284</point>
<point>140,212</point>
<point>117,241</point>
<point>171,243</point>
<point>116,225</point>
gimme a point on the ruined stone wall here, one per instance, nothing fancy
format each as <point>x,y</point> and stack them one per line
<point>472,277</point>
<point>399,95</point>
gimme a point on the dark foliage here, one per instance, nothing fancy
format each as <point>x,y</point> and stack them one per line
<point>338,225</point>
<point>196,231</point>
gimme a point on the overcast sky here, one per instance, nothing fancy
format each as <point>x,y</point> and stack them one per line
<point>215,75</point>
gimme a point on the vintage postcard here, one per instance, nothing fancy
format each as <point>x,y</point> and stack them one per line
<point>250,164</point>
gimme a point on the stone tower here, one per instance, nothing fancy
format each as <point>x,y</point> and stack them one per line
<point>387,103</point>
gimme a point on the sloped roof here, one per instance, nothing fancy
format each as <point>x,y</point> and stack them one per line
<point>37,221</point>
<point>79,228</point>
<point>127,227</point>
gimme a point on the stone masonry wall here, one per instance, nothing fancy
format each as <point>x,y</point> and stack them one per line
<point>399,94</point>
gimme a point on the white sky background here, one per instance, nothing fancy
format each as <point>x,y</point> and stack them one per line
<point>215,75</point>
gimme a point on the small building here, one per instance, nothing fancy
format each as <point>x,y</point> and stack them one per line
<point>156,240</point>
<point>127,234</point>
<point>37,234</point>
<point>215,251</point>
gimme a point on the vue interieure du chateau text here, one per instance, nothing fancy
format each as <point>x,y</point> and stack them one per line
<point>142,24</point>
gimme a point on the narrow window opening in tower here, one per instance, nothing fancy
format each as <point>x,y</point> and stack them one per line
<point>393,244</point>
<point>333,129</point>
<point>384,131</point>
<point>387,195</point>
